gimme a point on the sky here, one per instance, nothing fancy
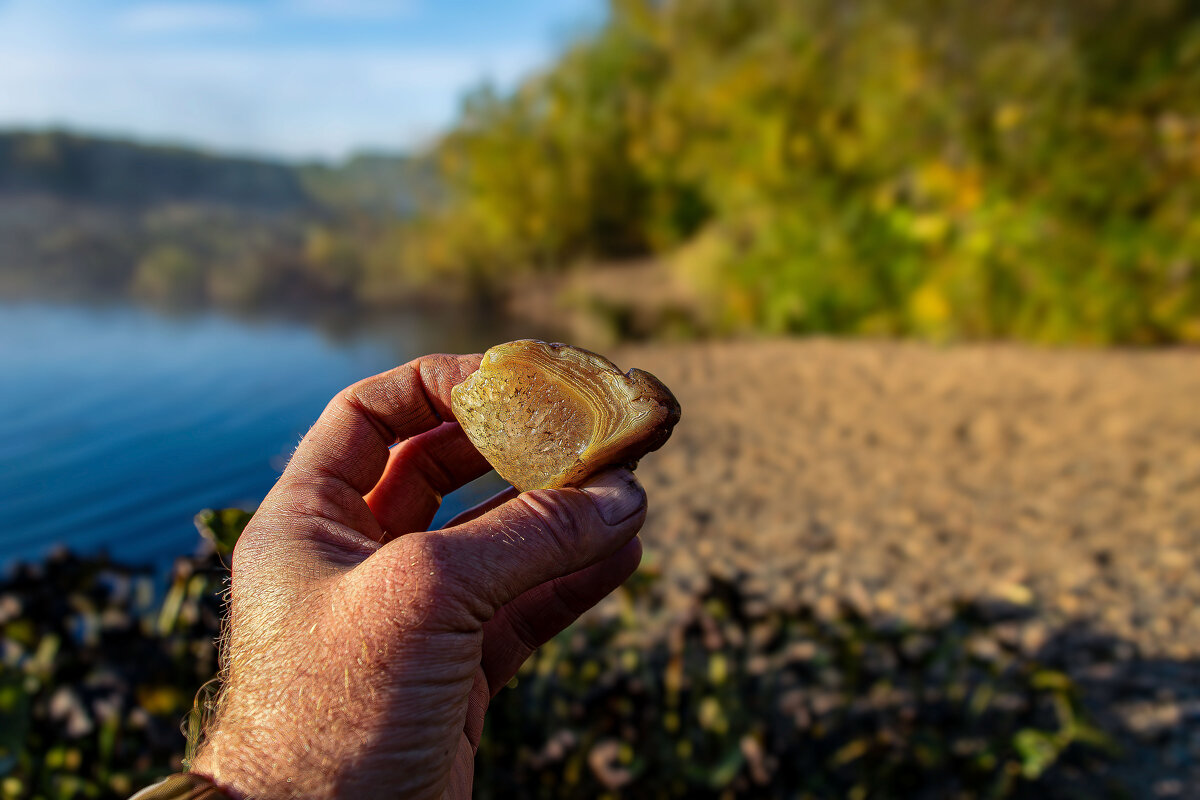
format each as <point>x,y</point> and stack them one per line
<point>296,79</point>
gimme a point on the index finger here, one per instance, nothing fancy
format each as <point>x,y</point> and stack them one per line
<point>349,442</point>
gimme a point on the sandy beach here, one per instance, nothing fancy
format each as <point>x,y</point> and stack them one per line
<point>903,480</point>
<point>898,478</point>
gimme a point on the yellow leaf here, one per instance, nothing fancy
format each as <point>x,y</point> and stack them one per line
<point>929,306</point>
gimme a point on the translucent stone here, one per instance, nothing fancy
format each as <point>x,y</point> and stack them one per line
<point>551,415</point>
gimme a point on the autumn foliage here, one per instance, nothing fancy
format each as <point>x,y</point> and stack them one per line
<point>884,167</point>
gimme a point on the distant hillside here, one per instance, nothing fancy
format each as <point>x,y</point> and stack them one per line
<point>114,172</point>
<point>382,184</point>
<point>84,216</point>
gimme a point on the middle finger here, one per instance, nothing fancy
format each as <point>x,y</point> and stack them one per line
<point>419,473</point>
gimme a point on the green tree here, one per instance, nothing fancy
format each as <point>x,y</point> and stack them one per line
<point>913,167</point>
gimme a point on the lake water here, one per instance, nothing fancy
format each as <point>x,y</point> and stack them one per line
<point>118,424</point>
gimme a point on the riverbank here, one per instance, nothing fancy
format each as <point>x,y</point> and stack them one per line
<point>902,477</point>
<point>1057,489</point>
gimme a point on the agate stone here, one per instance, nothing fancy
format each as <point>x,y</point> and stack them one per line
<point>551,415</point>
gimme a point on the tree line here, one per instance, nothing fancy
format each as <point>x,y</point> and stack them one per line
<point>1016,168</point>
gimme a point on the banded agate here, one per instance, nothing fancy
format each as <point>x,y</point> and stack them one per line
<point>551,415</point>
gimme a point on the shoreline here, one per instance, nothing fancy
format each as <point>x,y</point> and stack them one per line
<point>904,477</point>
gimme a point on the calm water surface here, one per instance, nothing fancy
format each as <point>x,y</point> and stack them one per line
<point>118,424</point>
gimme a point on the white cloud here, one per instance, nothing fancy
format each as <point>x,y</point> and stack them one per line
<point>80,65</point>
<point>153,18</point>
<point>353,9</point>
<point>291,102</point>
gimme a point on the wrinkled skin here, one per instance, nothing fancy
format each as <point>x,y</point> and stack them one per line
<point>363,649</point>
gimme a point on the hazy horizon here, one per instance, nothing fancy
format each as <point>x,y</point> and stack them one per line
<point>215,151</point>
<point>288,80</point>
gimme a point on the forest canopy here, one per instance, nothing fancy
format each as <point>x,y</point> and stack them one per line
<point>1016,168</point>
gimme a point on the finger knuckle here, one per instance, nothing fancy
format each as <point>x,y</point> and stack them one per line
<point>344,405</point>
<point>433,574</point>
<point>559,519</point>
<point>568,599</point>
<point>522,630</point>
<point>308,496</point>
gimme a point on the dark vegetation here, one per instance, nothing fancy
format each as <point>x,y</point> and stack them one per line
<point>83,217</point>
<point>127,175</point>
<point>734,699</point>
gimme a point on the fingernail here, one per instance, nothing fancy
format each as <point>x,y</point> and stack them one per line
<point>617,495</point>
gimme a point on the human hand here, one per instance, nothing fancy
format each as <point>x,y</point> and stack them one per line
<point>362,650</point>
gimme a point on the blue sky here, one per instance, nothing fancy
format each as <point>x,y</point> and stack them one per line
<point>291,78</point>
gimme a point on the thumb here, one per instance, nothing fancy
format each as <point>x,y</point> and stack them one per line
<point>541,535</point>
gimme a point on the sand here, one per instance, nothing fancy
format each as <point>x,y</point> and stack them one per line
<point>899,479</point>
